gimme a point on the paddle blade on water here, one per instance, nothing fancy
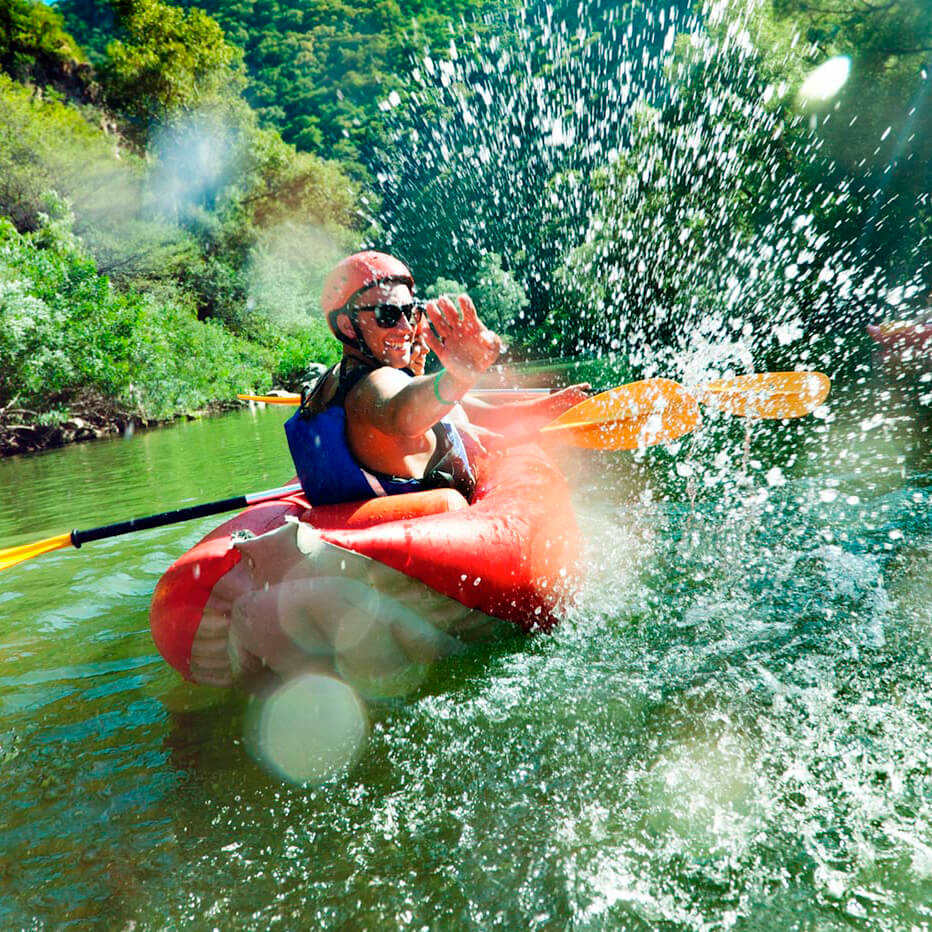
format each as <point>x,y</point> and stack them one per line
<point>290,399</point>
<point>767,394</point>
<point>641,414</point>
<point>13,555</point>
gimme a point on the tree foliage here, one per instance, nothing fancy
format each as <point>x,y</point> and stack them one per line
<point>46,143</point>
<point>34,45</point>
<point>171,64</point>
<point>65,331</point>
<point>93,24</point>
<point>635,203</point>
<point>212,190</point>
<point>316,72</point>
<point>878,129</point>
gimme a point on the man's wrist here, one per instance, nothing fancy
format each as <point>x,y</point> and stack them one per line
<point>448,389</point>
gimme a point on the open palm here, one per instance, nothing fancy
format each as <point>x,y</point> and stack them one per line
<point>462,343</point>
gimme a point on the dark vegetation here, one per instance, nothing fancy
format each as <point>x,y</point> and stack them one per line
<point>176,179</point>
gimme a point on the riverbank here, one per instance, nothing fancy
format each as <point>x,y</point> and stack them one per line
<point>91,418</point>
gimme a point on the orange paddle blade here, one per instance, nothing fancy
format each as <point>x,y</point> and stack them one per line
<point>293,400</point>
<point>767,394</point>
<point>13,555</point>
<point>487,394</point>
<point>640,414</point>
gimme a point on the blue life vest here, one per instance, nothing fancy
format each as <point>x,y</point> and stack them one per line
<point>329,472</point>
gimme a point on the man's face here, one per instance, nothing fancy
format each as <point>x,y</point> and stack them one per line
<point>390,345</point>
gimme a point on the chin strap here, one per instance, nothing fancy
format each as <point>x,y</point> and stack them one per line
<point>359,344</point>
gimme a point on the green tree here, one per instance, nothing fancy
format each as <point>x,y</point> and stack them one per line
<point>218,228</point>
<point>317,72</point>
<point>444,286</point>
<point>65,332</point>
<point>94,24</point>
<point>47,143</point>
<point>33,43</point>
<point>723,227</point>
<point>499,296</point>
<point>878,128</point>
<point>170,65</point>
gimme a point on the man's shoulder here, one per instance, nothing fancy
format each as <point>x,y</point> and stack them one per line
<point>382,381</point>
<point>372,392</point>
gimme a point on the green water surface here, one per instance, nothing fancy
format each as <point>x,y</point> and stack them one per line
<point>731,729</point>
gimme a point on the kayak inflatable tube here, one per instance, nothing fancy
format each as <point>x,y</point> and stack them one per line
<point>903,342</point>
<point>900,334</point>
<point>372,588</point>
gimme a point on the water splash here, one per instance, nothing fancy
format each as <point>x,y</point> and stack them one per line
<point>643,177</point>
<point>826,80</point>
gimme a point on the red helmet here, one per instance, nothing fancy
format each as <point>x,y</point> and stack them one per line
<point>358,272</point>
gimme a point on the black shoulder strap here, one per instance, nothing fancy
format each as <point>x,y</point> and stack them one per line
<point>349,378</point>
<point>310,392</point>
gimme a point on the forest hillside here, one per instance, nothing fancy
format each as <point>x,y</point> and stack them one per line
<point>176,178</point>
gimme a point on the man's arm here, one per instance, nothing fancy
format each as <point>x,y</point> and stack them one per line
<point>522,419</point>
<point>396,404</point>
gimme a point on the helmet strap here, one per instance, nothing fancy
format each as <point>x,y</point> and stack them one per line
<point>359,343</point>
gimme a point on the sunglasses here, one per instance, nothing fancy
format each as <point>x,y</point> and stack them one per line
<point>388,315</point>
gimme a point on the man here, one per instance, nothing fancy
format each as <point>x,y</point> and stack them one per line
<point>371,426</point>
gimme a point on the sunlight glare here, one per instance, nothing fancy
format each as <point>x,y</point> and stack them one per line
<point>312,729</point>
<point>826,81</point>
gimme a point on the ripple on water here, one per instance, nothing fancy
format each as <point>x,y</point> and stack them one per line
<point>731,729</point>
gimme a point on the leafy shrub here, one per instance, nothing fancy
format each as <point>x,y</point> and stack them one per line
<point>44,143</point>
<point>181,364</point>
<point>298,350</point>
<point>33,41</point>
<point>64,330</point>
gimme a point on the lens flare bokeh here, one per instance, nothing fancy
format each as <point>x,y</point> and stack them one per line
<point>310,730</point>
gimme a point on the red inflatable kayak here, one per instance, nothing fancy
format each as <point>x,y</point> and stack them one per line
<point>904,342</point>
<point>373,587</point>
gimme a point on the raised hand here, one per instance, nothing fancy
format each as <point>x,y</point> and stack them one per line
<point>462,343</point>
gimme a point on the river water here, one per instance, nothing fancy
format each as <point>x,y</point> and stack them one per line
<point>732,728</point>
